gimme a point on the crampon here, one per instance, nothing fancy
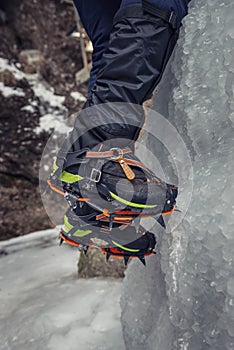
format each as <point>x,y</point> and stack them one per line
<point>113,191</point>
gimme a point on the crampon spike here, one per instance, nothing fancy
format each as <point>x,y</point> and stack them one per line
<point>80,247</point>
<point>142,259</point>
<point>107,256</point>
<point>61,241</point>
<point>85,249</point>
<point>178,210</point>
<point>111,222</point>
<point>126,259</point>
<point>161,221</point>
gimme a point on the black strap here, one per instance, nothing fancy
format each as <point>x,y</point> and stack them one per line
<point>137,10</point>
<point>168,16</point>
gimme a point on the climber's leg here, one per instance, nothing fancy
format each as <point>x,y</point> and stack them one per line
<point>142,39</point>
<point>97,19</point>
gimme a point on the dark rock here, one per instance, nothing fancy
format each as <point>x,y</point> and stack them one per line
<point>31,61</point>
<point>94,265</point>
<point>8,78</point>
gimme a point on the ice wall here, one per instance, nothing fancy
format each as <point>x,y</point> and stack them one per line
<point>184,298</point>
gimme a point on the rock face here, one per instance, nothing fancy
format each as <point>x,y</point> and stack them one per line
<point>33,40</point>
<point>184,298</point>
<point>42,25</point>
<point>32,61</point>
<point>95,265</point>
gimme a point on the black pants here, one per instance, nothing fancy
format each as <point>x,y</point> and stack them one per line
<point>97,18</point>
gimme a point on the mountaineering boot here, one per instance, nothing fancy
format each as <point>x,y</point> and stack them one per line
<point>97,164</point>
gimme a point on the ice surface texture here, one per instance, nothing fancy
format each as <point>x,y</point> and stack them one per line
<point>184,299</point>
<point>44,306</point>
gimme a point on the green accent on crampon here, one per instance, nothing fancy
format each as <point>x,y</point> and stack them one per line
<point>55,166</point>
<point>124,248</point>
<point>69,178</point>
<point>78,233</point>
<point>67,226</point>
<point>82,233</point>
<point>66,176</point>
<point>131,204</point>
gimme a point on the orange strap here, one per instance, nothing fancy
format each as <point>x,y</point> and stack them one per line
<point>169,211</point>
<point>58,190</point>
<point>108,154</point>
<point>136,163</point>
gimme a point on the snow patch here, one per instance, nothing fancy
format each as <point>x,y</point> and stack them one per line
<point>27,241</point>
<point>45,93</point>
<point>78,96</point>
<point>50,122</point>
<point>8,91</point>
<point>51,106</point>
<point>6,65</point>
<point>29,108</point>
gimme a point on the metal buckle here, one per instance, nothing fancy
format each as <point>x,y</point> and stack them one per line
<point>117,153</point>
<point>95,175</point>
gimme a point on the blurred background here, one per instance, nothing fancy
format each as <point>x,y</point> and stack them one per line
<point>43,83</point>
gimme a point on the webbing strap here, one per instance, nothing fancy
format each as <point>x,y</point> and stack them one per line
<point>113,152</point>
<point>168,16</point>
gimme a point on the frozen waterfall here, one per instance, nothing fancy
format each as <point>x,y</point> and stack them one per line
<point>184,298</point>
